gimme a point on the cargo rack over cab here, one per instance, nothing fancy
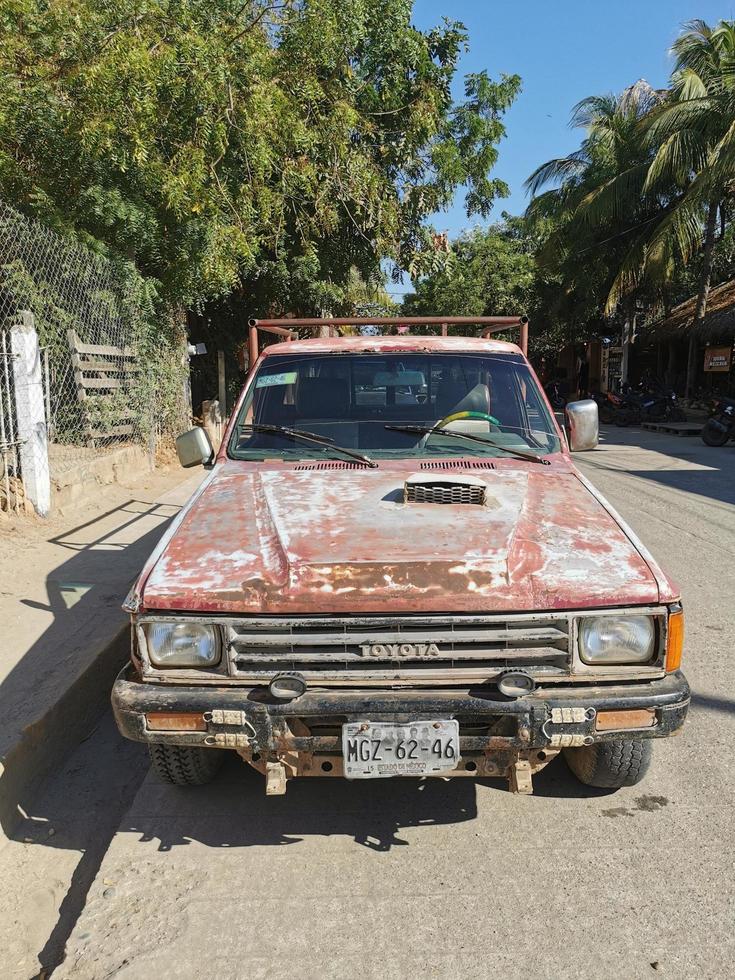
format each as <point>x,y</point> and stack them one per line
<point>287,326</point>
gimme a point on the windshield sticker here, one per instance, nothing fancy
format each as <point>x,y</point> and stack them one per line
<point>268,380</point>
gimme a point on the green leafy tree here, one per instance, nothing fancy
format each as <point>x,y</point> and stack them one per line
<point>491,272</point>
<point>634,212</point>
<point>241,146</point>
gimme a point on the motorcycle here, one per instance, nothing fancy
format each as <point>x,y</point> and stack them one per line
<point>720,426</point>
<point>608,405</point>
<point>649,402</point>
<point>667,408</point>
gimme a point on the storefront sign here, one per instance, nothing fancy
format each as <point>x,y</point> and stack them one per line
<point>717,358</point>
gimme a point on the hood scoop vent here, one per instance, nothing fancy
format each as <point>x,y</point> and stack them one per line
<point>423,489</point>
<point>457,464</point>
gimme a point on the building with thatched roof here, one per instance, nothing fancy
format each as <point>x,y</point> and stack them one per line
<point>704,353</point>
<point>718,323</point>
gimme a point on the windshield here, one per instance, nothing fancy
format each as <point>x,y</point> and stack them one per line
<point>354,400</point>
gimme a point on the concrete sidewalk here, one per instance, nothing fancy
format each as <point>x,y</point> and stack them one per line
<point>64,633</point>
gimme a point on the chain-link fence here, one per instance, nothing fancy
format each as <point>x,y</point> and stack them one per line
<point>113,365</point>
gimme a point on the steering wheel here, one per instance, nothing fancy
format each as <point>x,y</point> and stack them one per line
<point>456,416</point>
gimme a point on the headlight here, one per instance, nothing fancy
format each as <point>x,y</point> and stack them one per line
<point>182,644</point>
<point>616,639</point>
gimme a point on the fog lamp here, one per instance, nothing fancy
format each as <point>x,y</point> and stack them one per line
<point>516,683</point>
<point>287,685</point>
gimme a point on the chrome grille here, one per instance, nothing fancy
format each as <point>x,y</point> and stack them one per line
<point>342,651</point>
<point>444,493</point>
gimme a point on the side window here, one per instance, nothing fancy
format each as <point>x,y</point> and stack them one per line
<point>535,421</point>
<point>531,403</point>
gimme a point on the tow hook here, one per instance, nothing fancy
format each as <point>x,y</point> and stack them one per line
<point>521,780</point>
<point>275,779</point>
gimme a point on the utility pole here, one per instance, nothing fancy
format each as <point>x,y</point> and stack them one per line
<point>629,328</point>
<point>222,383</point>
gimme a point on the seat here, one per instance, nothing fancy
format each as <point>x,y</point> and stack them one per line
<point>453,396</point>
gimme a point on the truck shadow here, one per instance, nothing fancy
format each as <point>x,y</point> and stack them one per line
<point>233,811</point>
<point>60,684</point>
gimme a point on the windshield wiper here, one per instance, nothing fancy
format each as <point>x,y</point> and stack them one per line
<point>430,429</point>
<point>324,441</point>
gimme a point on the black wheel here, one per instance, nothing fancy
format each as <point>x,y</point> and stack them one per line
<point>713,435</point>
<point>185,765</point>
<point>611,765</point>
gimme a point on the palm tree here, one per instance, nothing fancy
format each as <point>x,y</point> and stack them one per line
<point>609,162</point>
<point>693,135</point>
<point>598,206</point>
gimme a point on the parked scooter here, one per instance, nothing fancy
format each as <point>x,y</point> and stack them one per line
<point>720,426</point>
<point>649,401</point>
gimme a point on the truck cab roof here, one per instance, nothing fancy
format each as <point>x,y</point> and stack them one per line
<point>385,345</point>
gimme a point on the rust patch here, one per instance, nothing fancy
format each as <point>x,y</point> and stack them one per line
<point>314,541</point>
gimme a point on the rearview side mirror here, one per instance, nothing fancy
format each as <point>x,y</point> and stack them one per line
<point>583,425</point>
<point>194,448</point>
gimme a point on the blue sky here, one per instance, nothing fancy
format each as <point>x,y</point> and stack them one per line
<point>563,50</point>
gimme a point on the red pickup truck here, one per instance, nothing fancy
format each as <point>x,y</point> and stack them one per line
<point>393,568</point>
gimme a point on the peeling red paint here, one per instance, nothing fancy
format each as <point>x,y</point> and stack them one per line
<point>267,538</point>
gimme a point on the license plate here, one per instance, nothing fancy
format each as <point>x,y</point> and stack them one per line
<point>374,750</point>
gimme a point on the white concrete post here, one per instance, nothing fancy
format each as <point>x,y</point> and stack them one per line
<point>31,413</point>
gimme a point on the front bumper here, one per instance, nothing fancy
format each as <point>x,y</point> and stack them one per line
<point>249,720</point>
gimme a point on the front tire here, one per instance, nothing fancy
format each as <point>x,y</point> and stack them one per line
<point>610,765</point>
<point>712,435</point>
<point>185,765</point>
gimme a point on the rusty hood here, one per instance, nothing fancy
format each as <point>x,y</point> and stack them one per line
<point>321,541</point>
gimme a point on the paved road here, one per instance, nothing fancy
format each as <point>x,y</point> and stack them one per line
<point>435,879</point>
